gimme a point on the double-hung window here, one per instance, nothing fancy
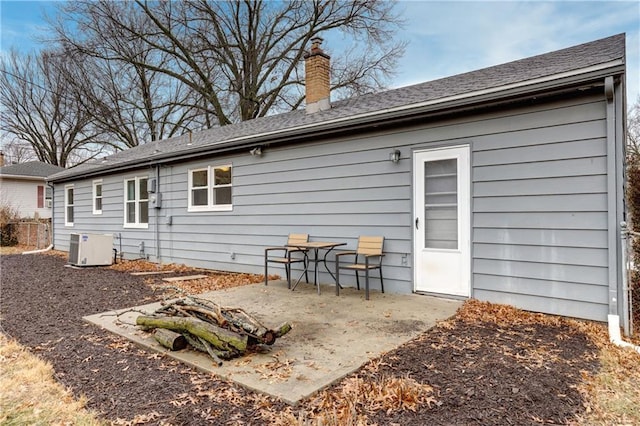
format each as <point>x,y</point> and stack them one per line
<point>48,197</point>
<point>210,189</point>
<point>136,203</point>
<point>97,197</point>
<point>68,205</point>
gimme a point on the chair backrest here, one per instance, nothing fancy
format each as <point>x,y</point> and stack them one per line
<point>370,245</point>
<point>297,238</point>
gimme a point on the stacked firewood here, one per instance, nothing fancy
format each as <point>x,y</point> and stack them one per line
<point>223,333</point>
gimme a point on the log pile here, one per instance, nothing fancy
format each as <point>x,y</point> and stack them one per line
<point>223,333</point>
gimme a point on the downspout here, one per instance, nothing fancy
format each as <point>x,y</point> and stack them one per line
<point>614,334</point>
<point>53,216</point>
<point>157,215</point>
<point>613,318</point>
<point>612,223</point>
<point>38,251</point>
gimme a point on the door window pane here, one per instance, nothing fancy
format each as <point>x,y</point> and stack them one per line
<point>441,204</point>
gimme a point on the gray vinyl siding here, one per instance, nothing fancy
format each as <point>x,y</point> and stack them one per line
<point>333,191</point>
<point>111,221</point>
<point>539,205</point>
<point>540,214</point>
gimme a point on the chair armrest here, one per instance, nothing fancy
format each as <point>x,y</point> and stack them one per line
<point>294,249</point>
<point>373,255</point>
<point>344,253</point>
<point>268,249</point>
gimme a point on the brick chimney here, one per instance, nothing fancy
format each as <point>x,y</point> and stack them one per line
<point>317,81</point>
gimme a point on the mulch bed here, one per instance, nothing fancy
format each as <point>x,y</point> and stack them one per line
<point>481,372</point>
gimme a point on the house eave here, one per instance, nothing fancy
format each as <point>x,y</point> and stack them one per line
<point>23,177</point>
<point>543,86</point>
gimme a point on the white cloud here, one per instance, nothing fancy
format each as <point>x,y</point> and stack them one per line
<point>447,38</point>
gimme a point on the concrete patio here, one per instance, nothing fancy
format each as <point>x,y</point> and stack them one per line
<point>331,336</point>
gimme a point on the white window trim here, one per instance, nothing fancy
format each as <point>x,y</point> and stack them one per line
<point>67,205</point>
<point>210,179</point>
<point>48,201</point>
<point>137,224</point>
<point>95,196</point>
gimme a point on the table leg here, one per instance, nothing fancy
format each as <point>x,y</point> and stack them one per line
<point>316,278</point>
<point>306,268</point>
<point>327,268</point>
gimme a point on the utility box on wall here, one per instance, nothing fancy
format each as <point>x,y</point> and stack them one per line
<point>91,249</point>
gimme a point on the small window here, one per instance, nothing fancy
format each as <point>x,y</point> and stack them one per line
<point>210,189</point>
<point>97,197</point>
<point>40,196</point>
<point>68,205</point>
<point>48,197</point>
<point>136,203</point>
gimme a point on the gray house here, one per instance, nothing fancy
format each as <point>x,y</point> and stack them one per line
<point>503,184</point>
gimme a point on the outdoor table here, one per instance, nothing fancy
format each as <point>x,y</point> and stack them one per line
<point>316,246</point>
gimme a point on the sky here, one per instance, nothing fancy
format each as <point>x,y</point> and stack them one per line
<point>446,37</point>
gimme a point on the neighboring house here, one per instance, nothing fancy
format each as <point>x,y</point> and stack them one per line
<point>23,188</point>
<point>503,184</point>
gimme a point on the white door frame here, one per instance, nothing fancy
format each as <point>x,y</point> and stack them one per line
<point>438,270</point>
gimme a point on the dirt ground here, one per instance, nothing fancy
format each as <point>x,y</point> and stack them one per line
<point>475,371</point>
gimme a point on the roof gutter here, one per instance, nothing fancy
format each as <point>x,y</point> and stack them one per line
<point>532,87</point>
<point>23,177</point>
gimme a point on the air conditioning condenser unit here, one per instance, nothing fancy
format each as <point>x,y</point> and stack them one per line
<point>91,249</point>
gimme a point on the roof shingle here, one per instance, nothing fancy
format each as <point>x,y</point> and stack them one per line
<point>567,60</point>
<point>30,169</point>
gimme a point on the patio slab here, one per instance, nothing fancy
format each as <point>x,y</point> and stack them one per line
<point>331,336</point>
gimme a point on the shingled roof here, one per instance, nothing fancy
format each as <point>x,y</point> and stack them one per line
<point>586,61</point>
<point>30,169</point>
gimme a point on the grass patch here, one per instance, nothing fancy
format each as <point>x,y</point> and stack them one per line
<point>31,396</point>
<point>613,394</point>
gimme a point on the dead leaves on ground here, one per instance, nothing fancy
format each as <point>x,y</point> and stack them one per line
<point>215,280</point>
<point>385,393</point>
<point>354,398</point>
<point>139,419</point>
<point>146,266</point>
<point>276,370</point>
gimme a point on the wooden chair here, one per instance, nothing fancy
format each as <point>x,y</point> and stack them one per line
<point>285,257</point>
<point>370,252</point>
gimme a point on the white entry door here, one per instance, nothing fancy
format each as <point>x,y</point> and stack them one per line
<point>442,221</point>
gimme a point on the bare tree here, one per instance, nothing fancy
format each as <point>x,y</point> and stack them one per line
<point>37,109</point>
<point>133,103</point>
<point>241,59</point>
<point>633,133</point>
<point>16,151</point>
